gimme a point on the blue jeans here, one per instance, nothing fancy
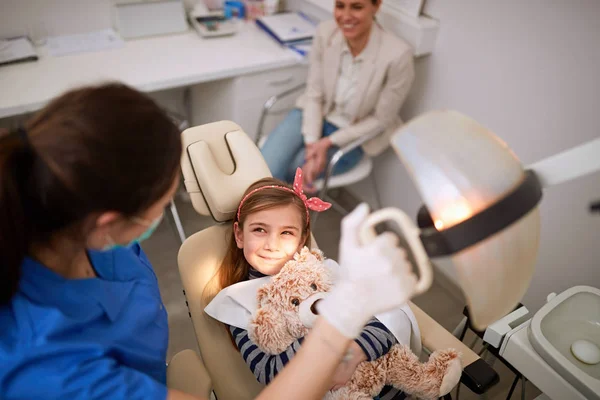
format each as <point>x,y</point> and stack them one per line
<point>284,148</point>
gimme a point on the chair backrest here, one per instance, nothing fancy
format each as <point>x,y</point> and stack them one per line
<point>219,162</point>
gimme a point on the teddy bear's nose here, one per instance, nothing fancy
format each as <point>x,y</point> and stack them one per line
<point>308,311</point>
<point>313,307</point>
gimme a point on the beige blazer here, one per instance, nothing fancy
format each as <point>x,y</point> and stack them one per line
<point>385,79</point>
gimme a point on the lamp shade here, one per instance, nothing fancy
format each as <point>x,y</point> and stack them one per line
<point>461,169</point>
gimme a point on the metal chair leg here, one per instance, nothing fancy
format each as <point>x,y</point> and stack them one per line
<point>375,191</point>
<point>177,221</point>
<point>461,329</point>
<point>512,387</point>
<point>336,206</point>
<point>328,174</point>
<point>187,108</point>
<point>475,340</point>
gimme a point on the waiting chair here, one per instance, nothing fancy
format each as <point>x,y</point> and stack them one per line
<point>361,171</point>
<point>219,162</point>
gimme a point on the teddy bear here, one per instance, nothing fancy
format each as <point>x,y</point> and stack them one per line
<point>281,317</point>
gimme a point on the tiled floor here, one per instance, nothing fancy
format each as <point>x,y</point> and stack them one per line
<point>162,250</point>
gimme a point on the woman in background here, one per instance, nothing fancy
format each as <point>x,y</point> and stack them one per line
<point>359,76</point>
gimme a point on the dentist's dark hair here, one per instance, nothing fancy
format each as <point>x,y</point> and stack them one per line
<point>91,150</point>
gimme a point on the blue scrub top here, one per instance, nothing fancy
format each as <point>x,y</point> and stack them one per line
<point>99,338</point>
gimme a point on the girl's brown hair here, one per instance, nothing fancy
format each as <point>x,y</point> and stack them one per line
<point>91,150</point>
<point>234,267</point>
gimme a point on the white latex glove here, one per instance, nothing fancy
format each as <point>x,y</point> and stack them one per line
<point>377,278</point>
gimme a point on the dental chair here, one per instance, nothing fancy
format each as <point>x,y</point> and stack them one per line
<point>219,162</point>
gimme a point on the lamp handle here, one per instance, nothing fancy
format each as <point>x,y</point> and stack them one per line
<point>411,234</point>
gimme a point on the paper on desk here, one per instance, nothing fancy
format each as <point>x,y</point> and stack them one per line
<point>83,42</point>
<point>15,50</point>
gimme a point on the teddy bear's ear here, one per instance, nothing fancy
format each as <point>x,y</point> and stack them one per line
<point>318,254</point>
<point>300,256</point>
<point>268,330</point>
<point>262,295</point>
<point>305,254</point>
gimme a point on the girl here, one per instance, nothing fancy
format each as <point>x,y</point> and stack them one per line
<point>271,225</point>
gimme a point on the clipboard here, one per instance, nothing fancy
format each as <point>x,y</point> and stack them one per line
<point>288,28</point>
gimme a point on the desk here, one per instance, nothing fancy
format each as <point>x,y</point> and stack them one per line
<point>150,64</point>
<point>166,62</point>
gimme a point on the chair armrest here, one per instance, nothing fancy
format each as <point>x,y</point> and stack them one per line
<point>477,375</point>
<point>186,372</point>
<point>269,104</point>
<point>341,153</point>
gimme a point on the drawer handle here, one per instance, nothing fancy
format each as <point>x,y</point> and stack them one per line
<point>282,81</point>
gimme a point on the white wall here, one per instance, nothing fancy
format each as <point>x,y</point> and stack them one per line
<point>55,17</point>
<point>529,71</point>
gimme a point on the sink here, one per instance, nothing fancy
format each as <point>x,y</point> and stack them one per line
<point>571,316</point>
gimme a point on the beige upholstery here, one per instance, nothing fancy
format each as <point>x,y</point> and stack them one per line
<point>216,191</point>
<point>198,260</point>
<point>187,373</point>
<point>219,162</point>
<point>434,336</point>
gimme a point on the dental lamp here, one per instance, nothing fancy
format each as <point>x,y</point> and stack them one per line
<point>480,207</point>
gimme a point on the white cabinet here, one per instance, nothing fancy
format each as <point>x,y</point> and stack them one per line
<point>241,99</point>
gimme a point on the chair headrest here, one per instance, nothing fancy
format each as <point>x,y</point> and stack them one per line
<point>219,162</point>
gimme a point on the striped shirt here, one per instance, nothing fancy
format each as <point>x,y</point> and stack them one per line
<point>375,340</point>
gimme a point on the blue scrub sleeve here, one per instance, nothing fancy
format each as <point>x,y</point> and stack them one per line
<point>69,376</point>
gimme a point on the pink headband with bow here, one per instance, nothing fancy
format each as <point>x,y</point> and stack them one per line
<point>314,203</point>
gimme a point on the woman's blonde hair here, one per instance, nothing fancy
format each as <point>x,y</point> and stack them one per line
<point>234,268</point>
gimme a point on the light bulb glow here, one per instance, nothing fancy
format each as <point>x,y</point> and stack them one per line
<point>452,214</point>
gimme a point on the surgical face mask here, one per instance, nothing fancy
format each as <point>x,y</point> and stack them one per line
<point>145,235</point>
